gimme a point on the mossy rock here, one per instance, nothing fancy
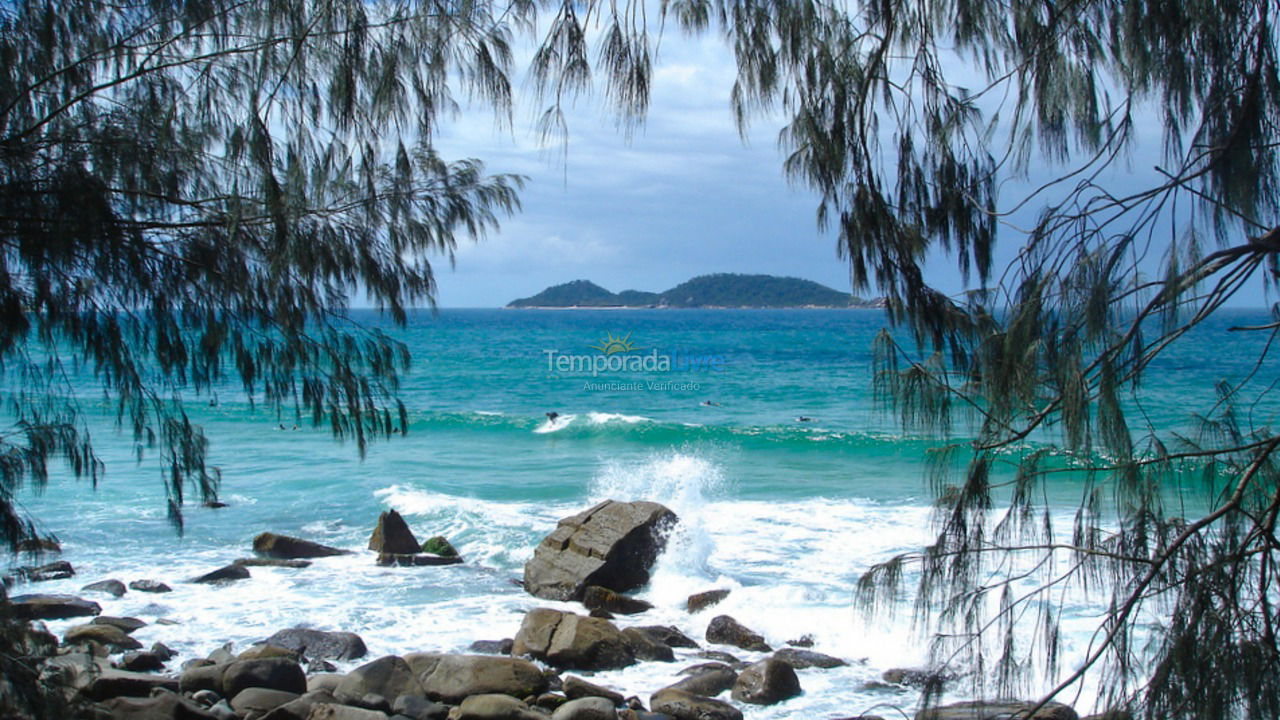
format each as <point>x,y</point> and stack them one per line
<point>439,545</point>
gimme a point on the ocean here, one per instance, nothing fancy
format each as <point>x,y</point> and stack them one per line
<point>757,427</point>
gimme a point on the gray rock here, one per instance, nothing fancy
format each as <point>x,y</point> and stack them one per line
<point>125,624</point>
<point>260,700</point>
<point>266,650</point>
<point>271,673</point>
<point>997,710</point>
<point>327,681</point>
<point>162,651</point>
<point>587,708</point>
<point>802,659</point>
<point>272,562</point>
<point>724,630</point>
<point>645,647</point>
<point>495,707</point>
<point>223,711</point>
<point>417,708</point>
<point>57,570</point>
<point>141,662</point>
<point>51,607</point>
<point>331,711</point>
<point>804,641</point>
<point>576,687</point>
<point>388,677</point>
<point>492,647</point>
<point>149,586</point>
<point>201,677</point>
<point>452,678</point>
<point>721,656</point>
<point>283,546</point>
<point>707,679</point>
<point>116,683</point>
<point>392,535</point>
<point>568,640</point>
<point>916,677</point>
<point>767,682</point>
<point>687,706</point>
<point>164,706</point>
<point>613,545</point>
<point>108,635</point>
<point>703,600</point>
<point>595,597</point>
<point>668,635</point>
<point>111,587</point>
<point>300,709</point>
<point>224,574</point>
<point>319,644</point>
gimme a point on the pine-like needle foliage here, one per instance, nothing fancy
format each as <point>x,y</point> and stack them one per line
<point>191,191</point>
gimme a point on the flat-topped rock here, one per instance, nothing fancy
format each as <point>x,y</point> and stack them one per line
<point>416,560</point>
<point>997,710</point>
<point>320,644</point>
<point>612,545</point>
<point>286,547</point>
<point>568,640</point>
<point>687,706</point>
<point>52,607</point>
<point>452,678</point>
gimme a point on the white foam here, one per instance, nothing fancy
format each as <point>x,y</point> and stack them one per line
<point>602,418</point>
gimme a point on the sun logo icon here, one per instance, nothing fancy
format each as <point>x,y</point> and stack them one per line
<point>614,345</point>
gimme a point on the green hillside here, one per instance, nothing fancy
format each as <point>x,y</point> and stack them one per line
<point>721,290</point>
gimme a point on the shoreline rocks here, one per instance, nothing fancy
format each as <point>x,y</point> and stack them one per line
<point>571,641</point>
<point>724,630</point>
<point>291,548</point>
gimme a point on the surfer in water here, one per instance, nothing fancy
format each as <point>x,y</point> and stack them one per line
<point>804,418</point>
<point>710,403</point>
<point>551,416</point>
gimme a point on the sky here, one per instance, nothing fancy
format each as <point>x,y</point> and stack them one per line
<point>683,196</point>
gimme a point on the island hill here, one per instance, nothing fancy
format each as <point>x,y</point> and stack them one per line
<point>722,290</point>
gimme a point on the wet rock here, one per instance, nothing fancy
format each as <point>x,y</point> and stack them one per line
<point>576,687</point>
<point>687,706</point>
<point>916,677</point>
<point>668,635</point>
<point>162,651</point>
<point>568,640</point>
<point>595,597</point>
<point>283,546</point>
<point>613,545</point>
<point>260,700</point>
<point>112,683</point>
<point>644,647</point>
<point>587,708</point>
<point>767,682</point>
<point>271,562</point>
<point>802,659</point>
<point>319,644</point>
<point>149,586</point>
<point>417,708</point>
<point>51,607</point>
<point>115,588</point>
<point>271,673</point>
<point>224,574</point>
<point>327,681</point>
<point>997,710</point>
<point>418,560</point>
<point>196,678</point>
<point>108,635</point>
<point>495,707</point>
<point>724,630</point>
<point>59,570</point>
<point>707,679</point>
<point>141,661</point>
<point>550,701</point>
<point>261,650</point>
<point>439,545</point>
<point>703,600</point>
<point>720,656</point>
<point>392,535</point>
<point>804,641</point>
<point>602,614</point>
<point>126,624</point>
<point>451,678</point>
<point>223,655</point>
<point>388,677</point>
<point>492,647</point>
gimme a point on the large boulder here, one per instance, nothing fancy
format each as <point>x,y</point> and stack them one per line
<point>150,586</point>
<point>767,682</point>
<point>575,687</point>
<point>586,708</point>
<point>703,600</point>
<point>392,535</point>
<point>111,587</point>
<point>595,597</point>
<point>283,546</point>
<point>452,678</point>
<point>568,640</point>
<point>270,673</point>
<point>997,710</point>
<point>495,707</point>
<point>613,545</point>
<point>802,659</point>
<point>224,574</point>
<point>645,647</point>
<point>164,705</point>
<point>388,676</point>
<point>260,700</point>
<point>108,635</point>
<point>127,624</point>
<point>116,683</point>
<point>687,706</point>
<point>51,607</point>
<point>724,630</point>
<point>320,644</point>
<point>668,635</point>
<point>707,679</point>
<point>333,711</point>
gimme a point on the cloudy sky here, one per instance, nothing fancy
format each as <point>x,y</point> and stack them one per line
<point>684,196</point>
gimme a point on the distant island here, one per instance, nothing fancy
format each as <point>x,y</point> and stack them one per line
<point>721,290</point>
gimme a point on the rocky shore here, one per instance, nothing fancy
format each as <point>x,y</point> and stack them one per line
<point>543,673</point>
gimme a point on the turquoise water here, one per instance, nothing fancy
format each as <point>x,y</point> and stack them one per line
<point>787,513</point>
